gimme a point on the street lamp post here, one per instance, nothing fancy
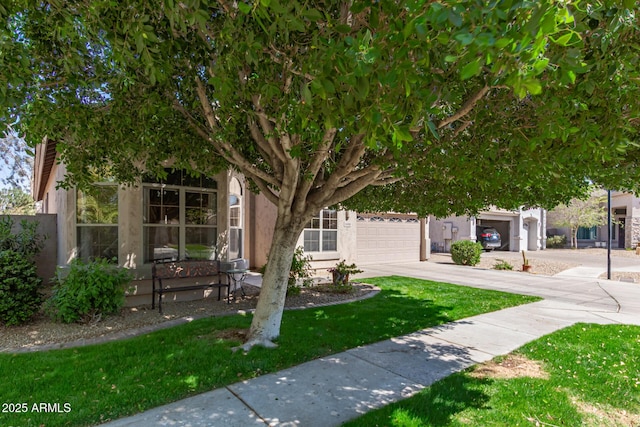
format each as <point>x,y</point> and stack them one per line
<point>609,235</point>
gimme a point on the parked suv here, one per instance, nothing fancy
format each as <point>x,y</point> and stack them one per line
<point>488,237</point>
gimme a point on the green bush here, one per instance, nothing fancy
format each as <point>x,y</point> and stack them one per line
<point>20,297</point>
<point>88,291</point>
<point>466,252</point>
<point>26,242</point>
<point>559,241</point>
<point>300,270</point>
<point>502,265</point>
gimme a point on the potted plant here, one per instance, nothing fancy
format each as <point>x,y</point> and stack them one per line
<point>525,262</point>
<point>341,272</point>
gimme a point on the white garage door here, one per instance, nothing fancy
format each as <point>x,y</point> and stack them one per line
<point>387,238</point>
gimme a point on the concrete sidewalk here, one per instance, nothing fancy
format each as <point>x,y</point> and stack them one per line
<point>334,389</point>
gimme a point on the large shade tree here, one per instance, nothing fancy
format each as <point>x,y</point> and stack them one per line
<point>412,105</point>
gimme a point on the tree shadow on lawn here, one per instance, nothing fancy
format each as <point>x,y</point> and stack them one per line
<point>436,405</point>
<point>337,328</point>
<point>449,397</point>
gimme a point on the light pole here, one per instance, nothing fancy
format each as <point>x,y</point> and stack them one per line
<point>609,235</point>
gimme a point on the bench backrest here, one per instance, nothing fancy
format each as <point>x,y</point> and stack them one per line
<point>185,269</point>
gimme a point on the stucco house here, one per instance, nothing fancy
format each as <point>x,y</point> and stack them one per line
<point>625,230</point>
<point>523,229</point>
<point>203,218</point>
<point>625,214</point>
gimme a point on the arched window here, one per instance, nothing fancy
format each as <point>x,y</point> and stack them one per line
<point>235,219</point>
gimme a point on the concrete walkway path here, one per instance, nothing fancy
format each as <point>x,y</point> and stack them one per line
<point>334,389</point>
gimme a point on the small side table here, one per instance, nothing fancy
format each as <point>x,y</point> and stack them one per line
<point>236,276</point>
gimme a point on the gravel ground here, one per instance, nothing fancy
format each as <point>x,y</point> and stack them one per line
<point>550,268</point>
<point>538,266</point>
<point>43,334</point>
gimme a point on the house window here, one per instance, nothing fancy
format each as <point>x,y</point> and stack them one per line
<point>235,219</point>
<point>97,222</point>
<point>587,233</point>
<point>321,233</point>
<point>180,221</point>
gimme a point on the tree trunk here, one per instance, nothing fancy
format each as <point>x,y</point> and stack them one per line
<point>266,320</point>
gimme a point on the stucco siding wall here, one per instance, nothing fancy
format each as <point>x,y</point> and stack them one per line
<point>130,252</point>
<point>444,231</point>
<point>347,236</point>
<point>262,222</point>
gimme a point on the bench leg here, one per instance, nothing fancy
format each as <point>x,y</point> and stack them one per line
<point>228,293</point>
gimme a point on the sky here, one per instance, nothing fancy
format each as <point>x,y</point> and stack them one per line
<point>9,143</point>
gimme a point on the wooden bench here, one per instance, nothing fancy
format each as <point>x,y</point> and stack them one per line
<point>168,277</point>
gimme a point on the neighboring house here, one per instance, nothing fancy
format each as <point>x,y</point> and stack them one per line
<point>625,229</point>
<point>202,218</point>
<point>524,229</point>
<point>625,215</point>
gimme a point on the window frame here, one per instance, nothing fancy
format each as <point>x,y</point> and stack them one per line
<point>321,224</point>
<point>183,225</point>
<point>84,225</point>
<point>235,219</point>
<point>592,232</point>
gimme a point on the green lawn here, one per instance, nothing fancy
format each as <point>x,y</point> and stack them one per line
<point>116,379</point>
<point>592,379</point>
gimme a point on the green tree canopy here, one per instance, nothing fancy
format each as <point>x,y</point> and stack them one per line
<point>16,201</point>
<point>411,105</point>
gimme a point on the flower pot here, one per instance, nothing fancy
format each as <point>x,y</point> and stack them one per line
<point>526,267</point>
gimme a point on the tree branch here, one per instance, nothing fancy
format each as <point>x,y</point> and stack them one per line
<point>206,106</point>
<point>354,187</point>
<point>202,131</point>
<point>226,150</point>
<point>466,107</point>
<point>268,130</point>
<point>319,157</point>
<point>265,148</point>
<point>265,189</point>
<point>348,161</point>
<point>276,57</point>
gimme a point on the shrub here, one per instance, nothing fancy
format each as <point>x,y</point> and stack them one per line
<point>26,242</point>
<point>466,252</point>
<point>502,265</point>
<point>300,271</point>
<point>20,297</point>
<point>88,291</point>
<point>559,241</point>
<point>340,273</point>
